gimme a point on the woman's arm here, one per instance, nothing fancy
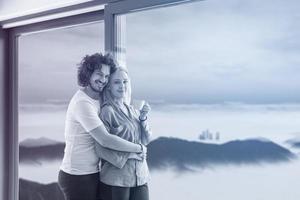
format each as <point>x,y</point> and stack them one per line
<point>146,132</point>
<point>143,117</point>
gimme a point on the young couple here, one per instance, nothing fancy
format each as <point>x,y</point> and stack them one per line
<point>106,138</point>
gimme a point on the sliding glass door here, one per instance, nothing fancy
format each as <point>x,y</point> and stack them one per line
<point>47,68</point>
<point>222,80</point>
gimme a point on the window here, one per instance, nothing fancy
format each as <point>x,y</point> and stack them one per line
<point>41,55</point>
<point>216,73</point>
<point>47,80</point>
<point>219,77</point>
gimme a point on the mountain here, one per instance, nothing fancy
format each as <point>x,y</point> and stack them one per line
<point>162,152</point>
<point>294,142</point>
<point>43,141</point>
<point>183,154</point>
<point>35,150</point>
<point>29,190</point>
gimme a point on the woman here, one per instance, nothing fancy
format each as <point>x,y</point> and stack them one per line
<point>79,171</point>
<point>129,182</point>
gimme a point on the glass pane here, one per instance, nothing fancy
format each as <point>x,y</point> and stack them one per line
<point>222,78</point>
<point>47,81</point>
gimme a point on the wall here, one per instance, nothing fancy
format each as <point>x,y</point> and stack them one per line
<point>3,117</point>
<point>15,7</point>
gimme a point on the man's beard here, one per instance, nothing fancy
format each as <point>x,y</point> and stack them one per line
<point>95,90</point>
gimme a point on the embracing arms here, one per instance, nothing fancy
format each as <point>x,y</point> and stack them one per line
<point>88,117</point>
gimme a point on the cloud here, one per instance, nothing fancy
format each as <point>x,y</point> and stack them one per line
<point>222,50</point>
<point>227,46</point>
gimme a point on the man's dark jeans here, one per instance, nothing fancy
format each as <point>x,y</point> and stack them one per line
<point>79,187</point>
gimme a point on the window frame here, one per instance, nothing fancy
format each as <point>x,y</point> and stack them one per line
<point>13,107</point>
<point>12,28</point>
<point>115,26</point>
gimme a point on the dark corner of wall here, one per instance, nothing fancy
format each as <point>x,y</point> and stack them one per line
<point>4,114</point>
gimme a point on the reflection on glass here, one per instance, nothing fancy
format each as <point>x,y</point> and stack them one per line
<point>47,80</point>
<point>222,80</point>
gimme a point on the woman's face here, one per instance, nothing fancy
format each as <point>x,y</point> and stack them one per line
<point>118,84</point>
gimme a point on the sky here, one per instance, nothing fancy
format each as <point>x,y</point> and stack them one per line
<point>48,62</point>
<point>211,51</point>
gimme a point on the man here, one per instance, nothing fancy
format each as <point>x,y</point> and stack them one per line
<point>79,171</point>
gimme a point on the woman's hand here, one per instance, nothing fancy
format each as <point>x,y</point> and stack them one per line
<point>144,111</point>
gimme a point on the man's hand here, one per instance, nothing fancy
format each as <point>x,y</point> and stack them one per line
<point>137,156</point>
<point>144,151</point>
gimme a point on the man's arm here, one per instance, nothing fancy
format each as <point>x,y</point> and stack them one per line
<point>88,118</point>
<point>116,158</point>
<point>105,139</point>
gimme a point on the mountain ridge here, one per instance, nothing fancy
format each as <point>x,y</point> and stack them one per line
<point>180,153</point>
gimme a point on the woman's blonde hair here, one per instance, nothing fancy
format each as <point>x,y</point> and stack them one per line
<point>127,98</point>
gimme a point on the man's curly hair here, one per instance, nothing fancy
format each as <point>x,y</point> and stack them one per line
<point>90,63</point>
